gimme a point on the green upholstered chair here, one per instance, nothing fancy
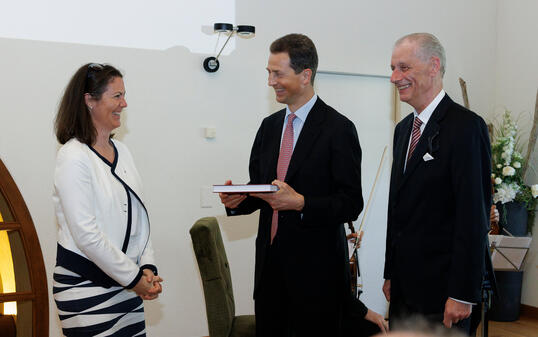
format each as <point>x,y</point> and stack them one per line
<point>217,282</point>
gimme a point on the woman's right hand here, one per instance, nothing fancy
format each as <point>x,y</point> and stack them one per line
<point>156,287</point>
<point>145,287</point>
<point>377,319</point>
<point>142,287</point>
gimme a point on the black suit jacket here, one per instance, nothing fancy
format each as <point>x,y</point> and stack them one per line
<point>325,169</point>
<point>439,210</point>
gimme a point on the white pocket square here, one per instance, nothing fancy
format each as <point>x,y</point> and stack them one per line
<point>427,157</point>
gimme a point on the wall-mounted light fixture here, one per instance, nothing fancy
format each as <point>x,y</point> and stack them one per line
<point>211,64</point>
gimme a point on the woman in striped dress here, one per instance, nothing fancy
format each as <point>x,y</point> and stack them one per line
<point>104,264</point>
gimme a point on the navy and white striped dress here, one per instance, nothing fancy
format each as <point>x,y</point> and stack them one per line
<point>103,242</point>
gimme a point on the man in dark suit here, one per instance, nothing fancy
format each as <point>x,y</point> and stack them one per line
<point>440,194</point>
<point>312,153</point>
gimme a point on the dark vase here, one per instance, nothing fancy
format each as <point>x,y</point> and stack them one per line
<point>515,219</point>
<point>506,303</point>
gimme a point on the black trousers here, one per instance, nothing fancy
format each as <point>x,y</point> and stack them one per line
<point>283,310</point>
<point>359,327</point>
<point>399,312</point>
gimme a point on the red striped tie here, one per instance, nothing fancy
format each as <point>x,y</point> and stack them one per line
<point>415,136</point>
<point>286,150</point>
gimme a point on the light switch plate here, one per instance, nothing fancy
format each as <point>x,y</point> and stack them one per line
<point>210,132</point>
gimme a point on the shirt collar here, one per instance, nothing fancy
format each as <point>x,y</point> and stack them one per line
<point>303,111</point>
<point>425,115</point>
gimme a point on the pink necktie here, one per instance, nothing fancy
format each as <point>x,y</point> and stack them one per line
<point>286,150</point>
<point>415,136</point>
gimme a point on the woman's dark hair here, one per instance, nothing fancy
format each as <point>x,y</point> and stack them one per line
<point>73,119</point>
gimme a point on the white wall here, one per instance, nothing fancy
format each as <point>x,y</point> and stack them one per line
<point>120,23</point>
<point>171,99</point>
<point>516,85</point>
<point>361,98</point>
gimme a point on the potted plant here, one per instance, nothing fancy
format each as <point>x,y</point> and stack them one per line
<point>515,200</point>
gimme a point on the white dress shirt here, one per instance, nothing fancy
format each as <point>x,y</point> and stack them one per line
<point>424,117</point>
<point>298,122</point>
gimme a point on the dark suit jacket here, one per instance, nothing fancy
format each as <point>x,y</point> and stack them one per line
<point>439,210</point>
<point>325,169</point>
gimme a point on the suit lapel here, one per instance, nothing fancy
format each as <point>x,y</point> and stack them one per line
<point>309,134</point>
<point>431,129</point>
<point>401,146</point>
<point>274,147</point>
<point>426,139</point>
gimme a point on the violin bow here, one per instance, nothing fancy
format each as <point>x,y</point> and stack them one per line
<point>370,197</point>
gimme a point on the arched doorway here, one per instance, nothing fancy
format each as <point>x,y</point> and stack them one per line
<point>24,307</point>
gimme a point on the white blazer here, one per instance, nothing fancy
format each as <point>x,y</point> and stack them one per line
<point>100,211</point>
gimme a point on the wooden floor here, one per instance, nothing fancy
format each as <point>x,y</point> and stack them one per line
<point>526,326</point>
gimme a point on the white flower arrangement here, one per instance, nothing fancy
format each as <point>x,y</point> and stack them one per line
<point>505,192</point>
<point>508,168</point>
<point>509,171</point>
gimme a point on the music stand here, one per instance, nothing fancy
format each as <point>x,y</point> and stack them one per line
<point>508,253</point>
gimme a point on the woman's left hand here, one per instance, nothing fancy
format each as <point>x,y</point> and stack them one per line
<point>494,215</point>
<point>355,238</point>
